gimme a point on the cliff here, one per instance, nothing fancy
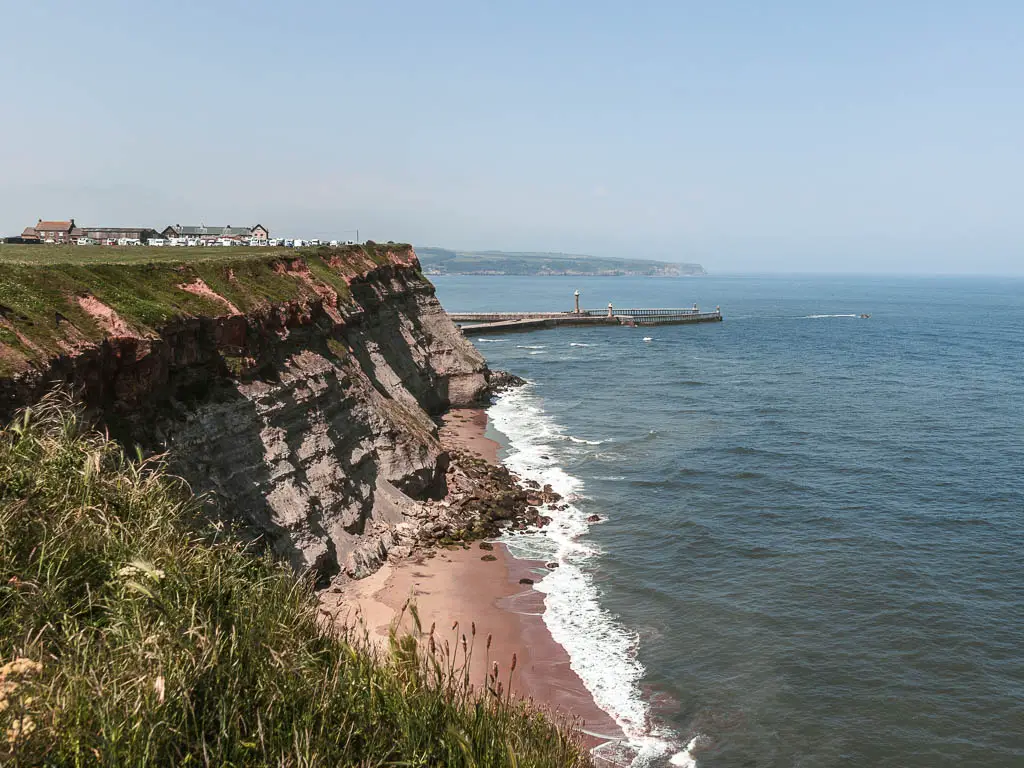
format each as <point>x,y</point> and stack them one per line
<point>298,391</point>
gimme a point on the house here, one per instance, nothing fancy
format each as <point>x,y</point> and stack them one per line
<point>111,235</point>
<point>54,231</point>
<point>207,234</point>
<point>28,237</point>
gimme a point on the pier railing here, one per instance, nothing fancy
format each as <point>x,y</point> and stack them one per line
<point>493,317</point>
<point>670,319</point>
<point>642,312</point>
<point>503,322</point>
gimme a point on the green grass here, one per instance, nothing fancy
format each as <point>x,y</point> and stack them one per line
<point>40,316</point>
<point>103,254</point>
<point>133,634</point>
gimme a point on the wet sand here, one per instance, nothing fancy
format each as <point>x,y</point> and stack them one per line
<point>456,585</point>
<point>466,428</point>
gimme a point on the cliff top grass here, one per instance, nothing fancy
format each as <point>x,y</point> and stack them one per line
<point>133,633</point>
<point>41,287</point>
<point>48,255</point>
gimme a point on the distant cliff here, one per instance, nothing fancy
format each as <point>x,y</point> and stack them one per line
<point>439,261</point>
<point>298,389</point>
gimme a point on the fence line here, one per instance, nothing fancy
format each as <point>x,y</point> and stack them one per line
<point>632,313</point>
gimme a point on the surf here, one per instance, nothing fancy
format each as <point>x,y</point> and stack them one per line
<point>601,650</point>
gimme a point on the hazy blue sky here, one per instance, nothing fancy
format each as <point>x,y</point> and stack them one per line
<point>749,136</point>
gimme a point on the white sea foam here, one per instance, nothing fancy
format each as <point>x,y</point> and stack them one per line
<point>530,346</point>
<point>578,344</point>
<point>601,650</point>
<point>582,441</point>
<point>685,758</point>
<point>491,341</point>
<point>818,317</point>
<point>538,352</point>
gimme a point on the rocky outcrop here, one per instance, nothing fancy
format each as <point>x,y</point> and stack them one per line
<point>310,420</point>
<point>481,500</point>
<point>502,381</point>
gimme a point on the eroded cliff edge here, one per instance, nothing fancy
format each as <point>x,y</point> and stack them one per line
<point>298,391</point>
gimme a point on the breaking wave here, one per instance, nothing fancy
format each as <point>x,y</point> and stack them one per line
<point>582,441</point>
<point>602,651</point>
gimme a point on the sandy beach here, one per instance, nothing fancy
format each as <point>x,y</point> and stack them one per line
<point>455,584</point>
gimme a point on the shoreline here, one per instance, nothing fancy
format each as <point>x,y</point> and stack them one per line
<point>454,584</point>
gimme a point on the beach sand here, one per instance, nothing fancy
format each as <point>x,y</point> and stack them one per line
<point>456,585</point>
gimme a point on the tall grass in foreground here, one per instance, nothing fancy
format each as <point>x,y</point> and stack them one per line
<point>132,635</point>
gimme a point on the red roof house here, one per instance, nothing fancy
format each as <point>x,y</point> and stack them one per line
<point>55,231</point>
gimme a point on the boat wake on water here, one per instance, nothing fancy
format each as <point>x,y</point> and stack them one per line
<point>819,317</point>
<point>601,651</point>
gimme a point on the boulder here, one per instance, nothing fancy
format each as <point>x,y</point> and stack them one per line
<point>499,381</point>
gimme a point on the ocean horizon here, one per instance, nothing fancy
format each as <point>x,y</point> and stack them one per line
<point>810,522</point>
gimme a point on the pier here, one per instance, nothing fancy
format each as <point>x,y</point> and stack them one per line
<point>502,322</point>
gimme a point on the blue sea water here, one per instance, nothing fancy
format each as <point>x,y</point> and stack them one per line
<point>812,541</point>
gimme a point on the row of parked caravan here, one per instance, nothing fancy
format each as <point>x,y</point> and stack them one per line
<point>194,242</point>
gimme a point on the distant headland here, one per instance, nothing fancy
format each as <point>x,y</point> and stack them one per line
<point>440,261</point>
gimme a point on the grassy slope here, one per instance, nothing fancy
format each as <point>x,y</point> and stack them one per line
<point>142,285</point>
<point>100,254</point>
<point>131,636</point>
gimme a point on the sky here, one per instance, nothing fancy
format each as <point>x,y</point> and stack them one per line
<point>748,136</point>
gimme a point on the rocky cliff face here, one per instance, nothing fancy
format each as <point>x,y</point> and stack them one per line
<point>309,420</point>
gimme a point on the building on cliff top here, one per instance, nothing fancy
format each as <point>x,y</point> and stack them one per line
<point>53,231</point>
<point>28,235</point>
<point>203,232</point>
<point>111,235</point>
<point>68,232</point>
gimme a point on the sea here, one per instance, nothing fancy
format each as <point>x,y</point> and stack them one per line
<point>809,543</point>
